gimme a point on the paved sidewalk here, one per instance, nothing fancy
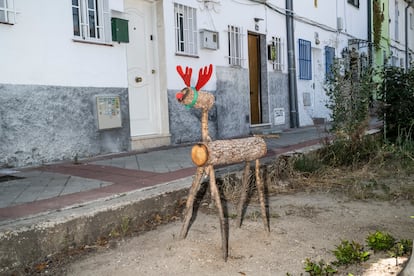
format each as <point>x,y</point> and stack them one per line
<point>32,191</point>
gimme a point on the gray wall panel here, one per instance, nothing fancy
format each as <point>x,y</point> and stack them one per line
<point>40,124</point>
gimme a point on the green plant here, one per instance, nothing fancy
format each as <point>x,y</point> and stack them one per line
<point>378,18</point>
<point>401,248</point>
<point>349,100</point>
<point>379,241</point>
<point>125,223</point>
<point>346,152</point>
<point>396,98</point>
<point>307,163</point>
<point>319,269</point>
<point>349,253</point>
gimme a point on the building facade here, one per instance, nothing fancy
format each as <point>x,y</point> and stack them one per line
<point>82,78</point>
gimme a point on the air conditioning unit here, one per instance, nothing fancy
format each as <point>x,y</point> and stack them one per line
<point>209,39</point>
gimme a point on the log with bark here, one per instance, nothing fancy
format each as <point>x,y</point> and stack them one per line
<point>223,152</point>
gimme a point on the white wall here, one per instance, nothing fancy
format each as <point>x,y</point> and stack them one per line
<point>239,13</point>
<point>322,19</point>
<point>39,49</point>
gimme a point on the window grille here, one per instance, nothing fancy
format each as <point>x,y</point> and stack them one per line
<point>329,61</point>
<point>7,12</point>
<point>235,45</point>
<point>354,3</point>
<point>305,60</point>
<point>91,20</point>
<point>185,29</point>
<point>276,53</point>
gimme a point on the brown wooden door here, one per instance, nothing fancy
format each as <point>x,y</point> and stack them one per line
<point>254,75</point>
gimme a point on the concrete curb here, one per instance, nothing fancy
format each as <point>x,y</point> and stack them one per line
<point>25,241</point>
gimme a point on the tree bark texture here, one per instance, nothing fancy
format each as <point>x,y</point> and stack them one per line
<point>195,186</point>
<point>205,100</point>
<point>222,152</point>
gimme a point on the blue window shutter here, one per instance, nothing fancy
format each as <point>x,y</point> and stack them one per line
<point>305,60</point>
<point>329,61</point>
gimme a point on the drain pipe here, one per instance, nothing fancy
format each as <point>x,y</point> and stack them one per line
<point>293,94</point>
<point>370,57</point>
<point>409,2</point>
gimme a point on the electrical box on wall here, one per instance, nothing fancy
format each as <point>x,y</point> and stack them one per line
<point>119,29</point>
<point>109,112</point>
<point>209,39</point>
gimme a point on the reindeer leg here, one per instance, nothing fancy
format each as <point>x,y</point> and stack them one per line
<point>195,186</point>
<point>260,189</point>
<point>216,195</point>
<point>243,193</point>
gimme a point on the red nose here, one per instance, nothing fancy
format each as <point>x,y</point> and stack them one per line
<point>179,96</point>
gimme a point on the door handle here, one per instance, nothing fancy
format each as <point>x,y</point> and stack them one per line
<point>138,79</point>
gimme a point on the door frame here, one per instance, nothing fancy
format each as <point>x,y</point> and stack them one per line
<point>162,137</point>
<point>261,65</point>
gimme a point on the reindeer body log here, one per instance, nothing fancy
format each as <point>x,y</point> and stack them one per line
<point>222,152</point>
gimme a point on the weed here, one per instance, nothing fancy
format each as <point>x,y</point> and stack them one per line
<point>307,163</point>
<point>319,269</point>
<point>254,216</point>
<point>379,241</point>
<point>125,223</point>
<point>349,253</point>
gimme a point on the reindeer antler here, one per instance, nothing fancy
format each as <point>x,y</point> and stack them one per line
<point>204,76</point>
<point>185,76</point>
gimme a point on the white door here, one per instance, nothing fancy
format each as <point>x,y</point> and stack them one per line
<point>144,100</point>
<point>318,99</point>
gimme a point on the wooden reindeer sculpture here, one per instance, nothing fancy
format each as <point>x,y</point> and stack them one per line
<point>208,154</point>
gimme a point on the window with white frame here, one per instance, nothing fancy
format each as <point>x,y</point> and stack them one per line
<point>91,20</point>
<point>7,12</point>
<point>235,43</point>
<point>275,53</point>
<point>185,30</point>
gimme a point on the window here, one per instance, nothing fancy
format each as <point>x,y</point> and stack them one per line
<point>235,45</point>
<point>394,61</point>
<point>329,61</point>
<point>7,12</point>
<point>91,20</point>
<point>411,21</point>
<point>354,3</point>
<point>185,30</point>
<point>275,53</point>
<point>305,60</point>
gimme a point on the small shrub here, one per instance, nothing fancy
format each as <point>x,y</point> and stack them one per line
<point>319,269</point>
<point>401,248</point>
<point>347,152</point>
<point>379,241</point>
<point>307,163</point>
<point>350,252</point>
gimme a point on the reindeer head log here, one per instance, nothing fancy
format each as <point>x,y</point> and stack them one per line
<point>191,96</point>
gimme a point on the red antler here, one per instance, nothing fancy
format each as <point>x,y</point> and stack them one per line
<point>185,76</point>
<point>204,76</point>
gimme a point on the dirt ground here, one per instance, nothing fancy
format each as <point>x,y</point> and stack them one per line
<point>303,225</point>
